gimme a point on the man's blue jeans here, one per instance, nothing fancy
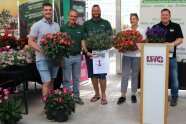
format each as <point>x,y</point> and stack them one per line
<point>72,66</point>
<point>173,76</point>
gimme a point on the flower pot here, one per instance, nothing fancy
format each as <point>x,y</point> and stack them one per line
<point>7,122</point>
<point>50,115</point>
<point>61,117</point>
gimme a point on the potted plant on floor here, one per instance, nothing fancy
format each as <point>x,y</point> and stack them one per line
<point>59,104</point>
<point>9,108</point>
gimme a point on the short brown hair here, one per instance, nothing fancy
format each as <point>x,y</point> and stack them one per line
<point>95,5</point>
<point>72,10</point>
<point>47,4</point>
<point>134,14</point>
<point>165,9</point>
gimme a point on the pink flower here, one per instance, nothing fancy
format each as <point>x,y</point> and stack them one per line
<point>49,35</point>
<point>59,100</point>
<point>44,98</point>
<point>6,92</point>
<point>1,101</point>
<point>0,88</point>
<point>65,90</point>
<point>5,97</point>
<point>58,34</point>
<point>71,92</point>
<point>52,92</point>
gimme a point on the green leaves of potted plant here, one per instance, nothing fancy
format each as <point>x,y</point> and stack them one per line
<point>61,103</point>
<point>99,42</point>
<point>9,108</point>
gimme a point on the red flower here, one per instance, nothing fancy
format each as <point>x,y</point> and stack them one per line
<point>55,45</point>
<point>71,92</point>
<point>61,41</point>
<point>49,35</point>
<point>7,43</point>
<point>52,92</point>
<point>4,37</point>
<point>65,90</point>
<point>58,34</point>
<point>23,43</point>
<point>126,40</point>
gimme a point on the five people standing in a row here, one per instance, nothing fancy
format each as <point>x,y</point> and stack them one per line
<point>72,64</point>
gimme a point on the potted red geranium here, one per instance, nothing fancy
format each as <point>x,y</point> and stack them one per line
<point>12,42</point>
<point>6,40</point>
<point>126,40</point>
<point>56,46</point>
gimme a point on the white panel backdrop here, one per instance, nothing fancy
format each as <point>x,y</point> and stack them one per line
<point>150,15</point>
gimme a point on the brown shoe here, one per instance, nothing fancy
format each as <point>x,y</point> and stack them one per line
<point>79,101</point>
<point>173,102</point>
<point>104,101</point>
<point>95,98</point>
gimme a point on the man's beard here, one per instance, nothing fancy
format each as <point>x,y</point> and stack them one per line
<point>96,18</point>
<point>50,17</point>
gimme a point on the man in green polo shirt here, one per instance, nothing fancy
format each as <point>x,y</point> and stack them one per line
<point>72,64</point>
<point>96,25</point>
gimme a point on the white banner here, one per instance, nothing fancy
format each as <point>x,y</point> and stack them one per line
<point>150,12</point>
<point>100,61</point>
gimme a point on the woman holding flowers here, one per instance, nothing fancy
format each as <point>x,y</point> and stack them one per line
<point>131,60</point>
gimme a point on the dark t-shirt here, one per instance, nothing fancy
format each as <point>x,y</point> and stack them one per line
<point>76,34</point>
<point>173,32</point>
<point>92,27</point>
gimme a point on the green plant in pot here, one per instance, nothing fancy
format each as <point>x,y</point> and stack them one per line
<point>9,108</point>
<point>59,104</point>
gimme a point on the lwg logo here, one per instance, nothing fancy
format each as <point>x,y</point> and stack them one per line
<point>155,59</point>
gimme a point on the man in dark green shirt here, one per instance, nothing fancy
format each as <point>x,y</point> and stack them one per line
<point>72,64</point>
<point>96,25</point>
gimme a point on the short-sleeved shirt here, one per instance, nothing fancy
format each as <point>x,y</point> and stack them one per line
<point>92,27</point>
<point>41,28</point>
<point>173,32</point>
<point>137,52</point>
<point>76,34</point>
